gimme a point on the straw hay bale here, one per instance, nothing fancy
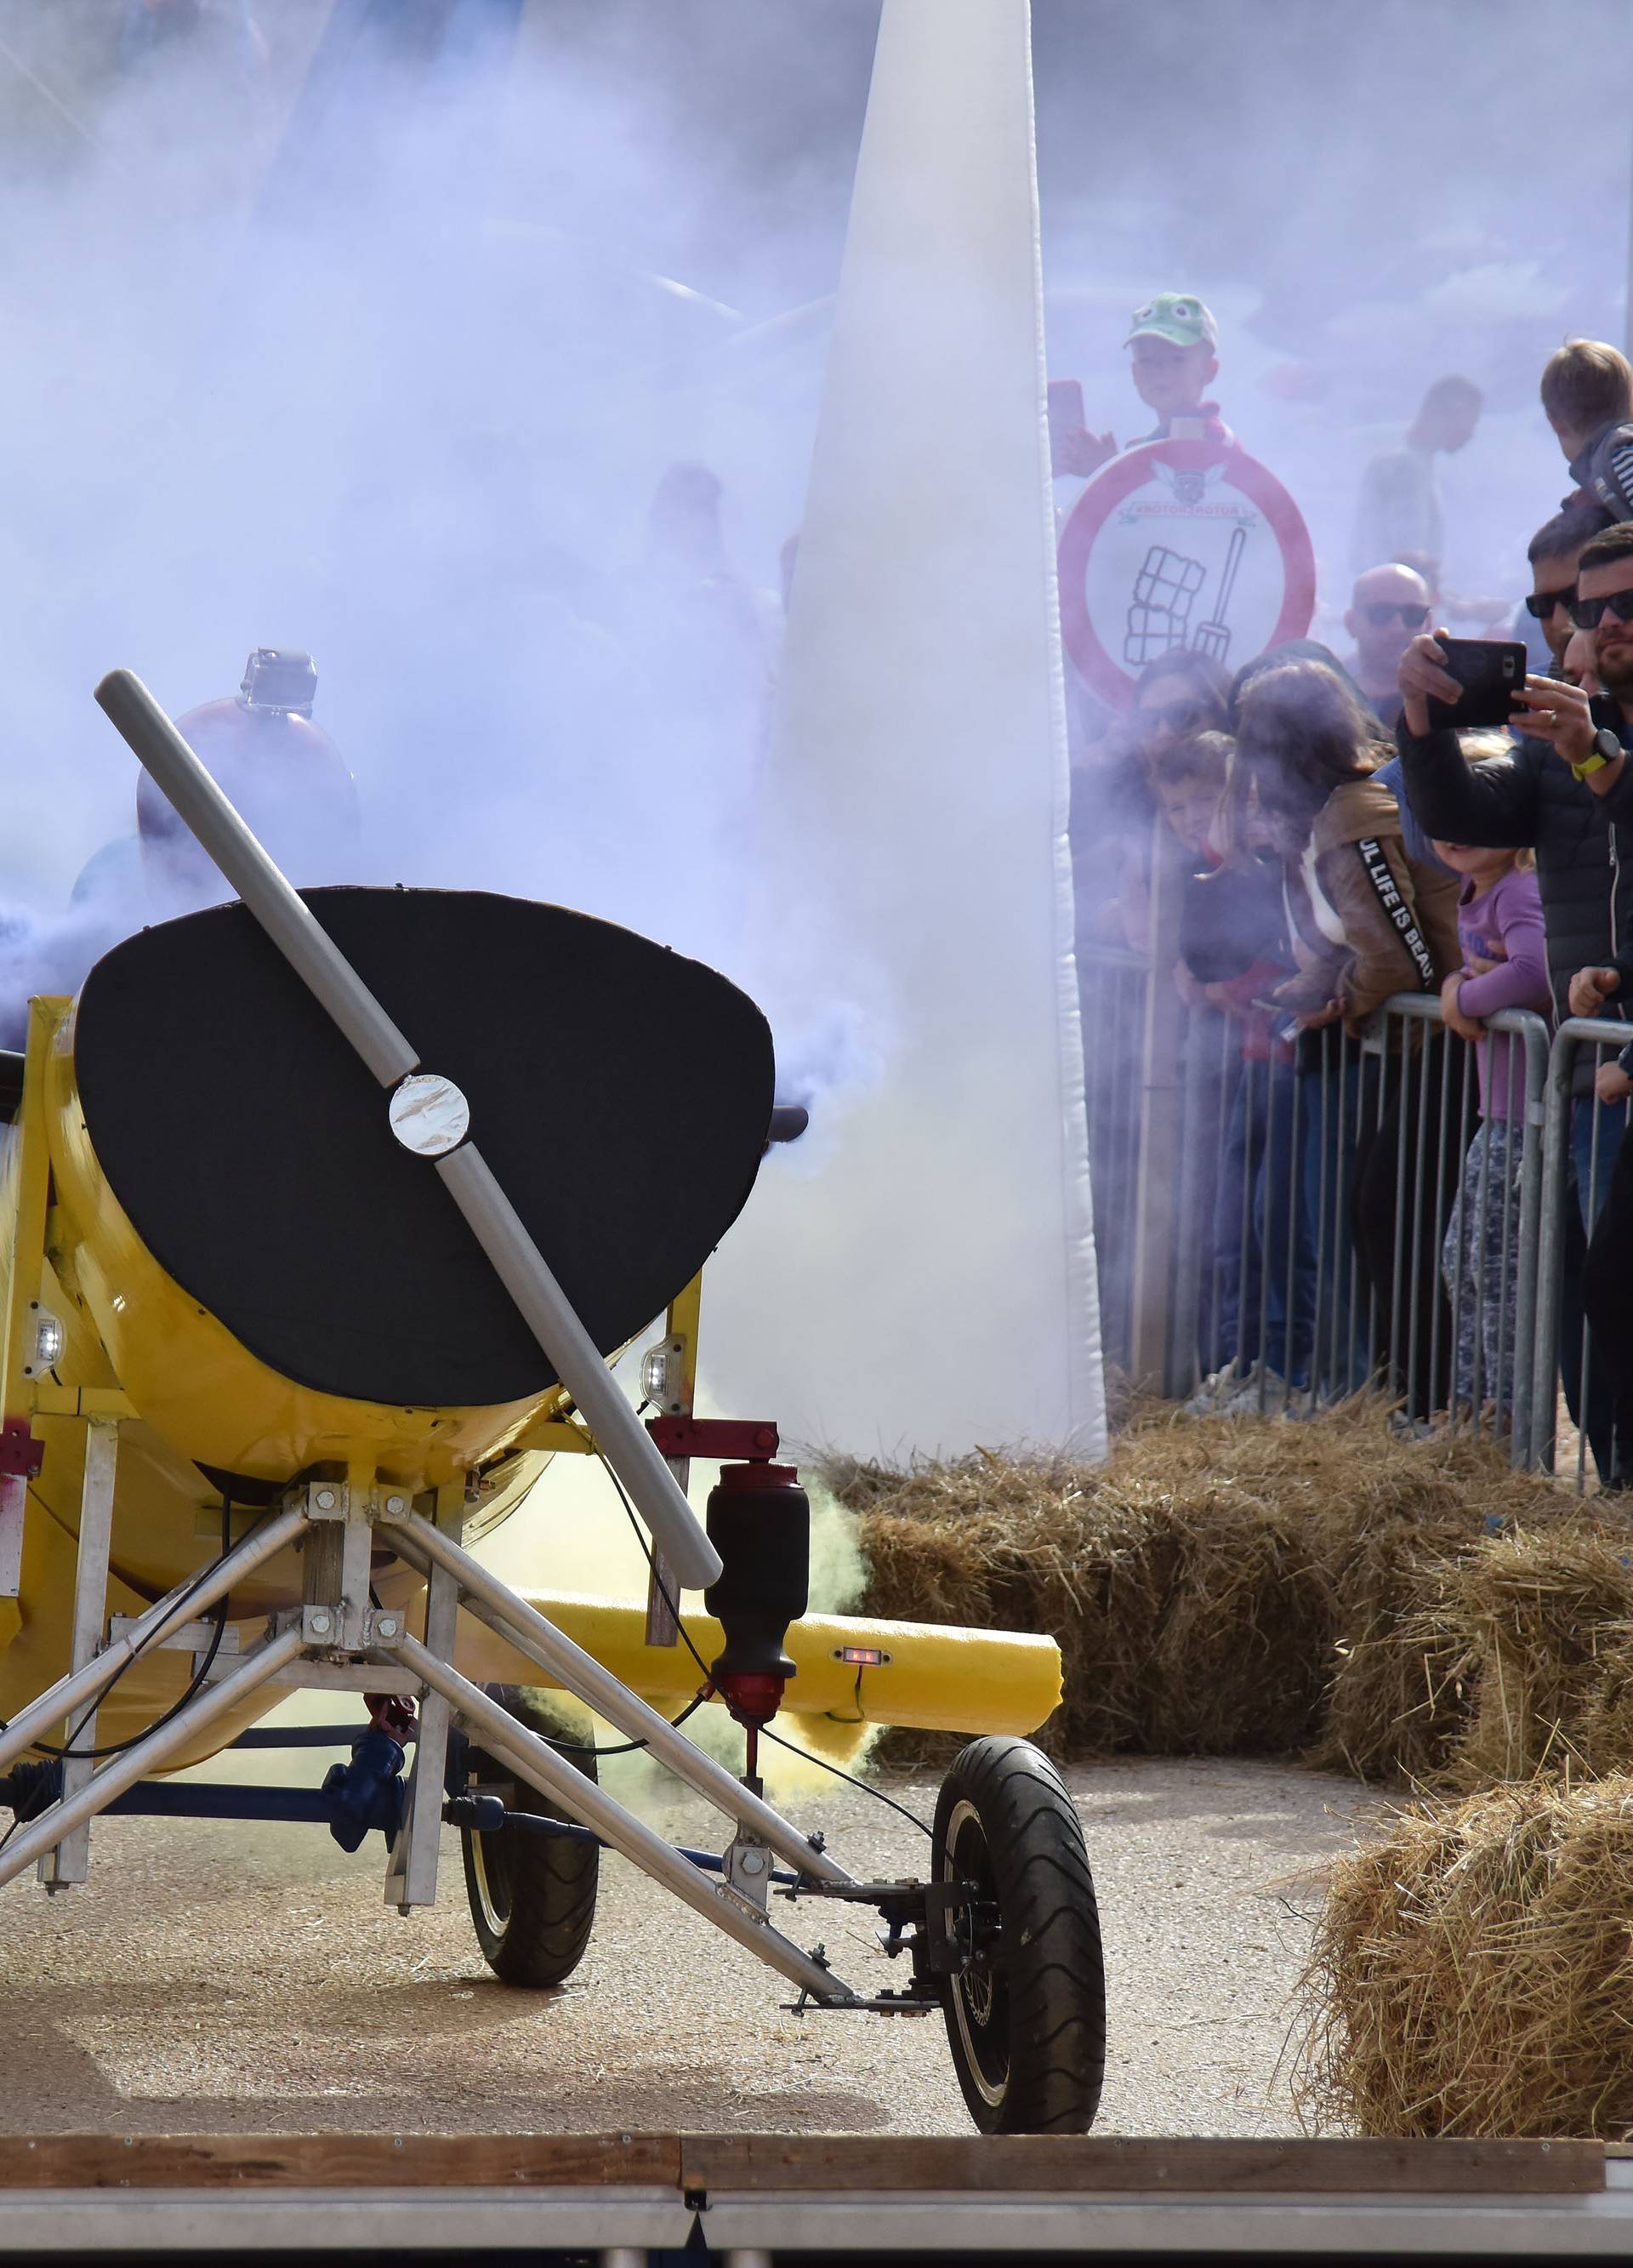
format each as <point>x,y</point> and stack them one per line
<point>1473,1973</point>
<point>1545,1614</point>
<point>1250,1586</point>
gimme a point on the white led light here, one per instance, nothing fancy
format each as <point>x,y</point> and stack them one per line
<point>655,1374</point>
<point>47,1339</point>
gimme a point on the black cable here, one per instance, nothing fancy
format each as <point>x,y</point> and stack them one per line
<point>118,1747</point>
<point>889,1801</point>
<point>658,1580</point>
<point>623,1748</point>
<point>766,1733</point>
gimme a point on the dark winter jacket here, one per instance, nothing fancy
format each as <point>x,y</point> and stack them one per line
<point>1603,471</point>
<point>1528,800</point>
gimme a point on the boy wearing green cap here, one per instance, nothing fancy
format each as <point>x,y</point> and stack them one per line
<point>1174,343</point>
<point>1173,340</point>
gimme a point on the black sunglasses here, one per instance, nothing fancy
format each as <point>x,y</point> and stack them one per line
<point>1541,604</point>
<point>1412,617</point>
<point>1587,614</point>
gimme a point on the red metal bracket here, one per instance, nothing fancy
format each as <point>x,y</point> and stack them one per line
<point>20,1453</point>
<point>754,1439</point>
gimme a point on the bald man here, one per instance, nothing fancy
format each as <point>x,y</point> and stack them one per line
<point>1388,606</point>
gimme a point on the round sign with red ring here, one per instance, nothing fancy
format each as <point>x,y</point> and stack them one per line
<point>1185,545</point>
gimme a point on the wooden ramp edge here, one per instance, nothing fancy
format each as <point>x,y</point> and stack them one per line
<point>694,2165</point>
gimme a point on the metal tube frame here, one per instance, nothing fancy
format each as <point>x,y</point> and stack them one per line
<point>31,1724</point>
<point>71,1861</point>
<point>538,1763</point>
<point>147,1755</point>
<point>1537,1291</point>
<point>1574,1033</point>
<point>314,1639</point>
<point>579,1673</point>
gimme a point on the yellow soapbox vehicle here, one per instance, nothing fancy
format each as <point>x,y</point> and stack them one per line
<point>299,1303</point>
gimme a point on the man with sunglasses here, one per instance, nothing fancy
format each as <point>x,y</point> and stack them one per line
<point>1553,552</point>
<point>1388,606</point>
<point>1564,790</point>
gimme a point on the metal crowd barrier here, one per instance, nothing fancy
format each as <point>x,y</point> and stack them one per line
<point>1583,1138</point>
<point>1336,1224</point>
<point>1113,989</point>
<point>1358,1236</point>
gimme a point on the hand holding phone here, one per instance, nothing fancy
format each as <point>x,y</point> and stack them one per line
<point>1491,673</point>
<point>1550,710</point>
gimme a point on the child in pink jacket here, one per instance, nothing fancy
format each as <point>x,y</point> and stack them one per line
<point>1499,930</point>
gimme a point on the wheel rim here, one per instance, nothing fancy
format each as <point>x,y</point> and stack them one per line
<point>979,1997</point>
<point>490,1875</point>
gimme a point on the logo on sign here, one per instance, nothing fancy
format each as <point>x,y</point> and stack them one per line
<point>1184,546</point>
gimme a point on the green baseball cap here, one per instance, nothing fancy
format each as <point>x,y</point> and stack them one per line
<point>1177,316</point>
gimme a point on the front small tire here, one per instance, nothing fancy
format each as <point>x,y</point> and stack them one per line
<point>532,1897</point>
<point>1026,2019</point>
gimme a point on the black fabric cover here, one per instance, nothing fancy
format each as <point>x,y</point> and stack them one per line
<point>620,1092</point>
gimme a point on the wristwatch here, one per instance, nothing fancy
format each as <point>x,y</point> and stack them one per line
<point>1606,749</point>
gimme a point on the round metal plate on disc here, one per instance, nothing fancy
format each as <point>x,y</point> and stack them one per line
<point>429,1114</point>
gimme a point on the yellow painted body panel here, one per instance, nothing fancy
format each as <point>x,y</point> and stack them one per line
<point>941,1680</point>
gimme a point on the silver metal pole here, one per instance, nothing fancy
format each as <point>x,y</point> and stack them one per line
<point>1434,1040</point>
<point>411,1877</point>
<point>1295,1204</point>
<point>1532,1119</point>
<point>288,921</point>
<point>71,1861</point>
<point>538,1764</point>
<point>581,1674</point>
<point>200,1592</point>
<point>1551,1245</point>
<point>1442,1221</point>
<point>544,1307</point>
<point>1185,1318</point>
<point>41,1835</point>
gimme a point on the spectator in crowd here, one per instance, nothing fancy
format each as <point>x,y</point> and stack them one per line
<point>1234,954</point>
<point>1189,778</point>
<point>1398,509</point>
<point>1605,1277</point>
<point>1499,928</point>
<point>1564,791</point>
<point>1174,345</point>
<point>1365,921</point>
<point>1308,747</point>
<point>1388,608</point>
<point>1114,804</point>
<point>1553,552</point>
<point>1587,398</point>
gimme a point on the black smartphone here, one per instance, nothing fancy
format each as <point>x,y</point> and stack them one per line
<point>1490,671</point>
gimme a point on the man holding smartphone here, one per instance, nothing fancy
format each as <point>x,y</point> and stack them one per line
<point>1554,552</point>
<point>1564,790</point>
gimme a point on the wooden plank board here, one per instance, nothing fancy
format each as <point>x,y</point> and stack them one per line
<point>72,2161</point>
<point>1043,2164</point>
<point>1083,2164</point>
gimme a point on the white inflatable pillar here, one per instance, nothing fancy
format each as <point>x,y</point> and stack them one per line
<point>921,1278</point>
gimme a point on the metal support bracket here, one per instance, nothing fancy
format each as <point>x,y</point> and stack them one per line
<point>71,1861</point>
<point>411,1878</point>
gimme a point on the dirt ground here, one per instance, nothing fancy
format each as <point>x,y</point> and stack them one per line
<point>221,1976</point>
